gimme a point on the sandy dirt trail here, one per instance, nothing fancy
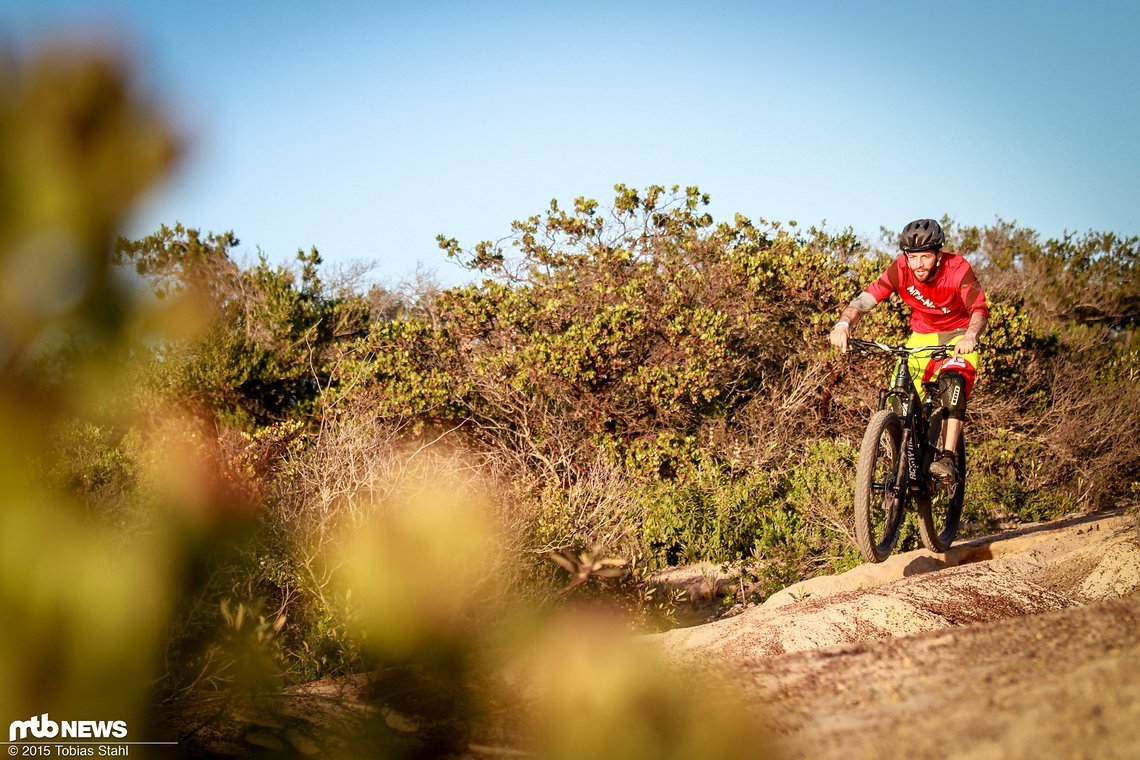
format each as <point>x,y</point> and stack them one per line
<point>1021,645</point>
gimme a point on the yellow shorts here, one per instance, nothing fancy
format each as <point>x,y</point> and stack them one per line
<point>924,369</point>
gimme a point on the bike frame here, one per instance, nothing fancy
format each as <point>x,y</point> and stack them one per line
<point>907,411</point>
<point>912,475</point>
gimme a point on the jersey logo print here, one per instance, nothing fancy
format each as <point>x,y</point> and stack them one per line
<point>924,300</point>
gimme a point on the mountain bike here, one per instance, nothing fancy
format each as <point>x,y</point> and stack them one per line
<point>901,440</point>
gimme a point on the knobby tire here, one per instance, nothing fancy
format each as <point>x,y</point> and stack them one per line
<point>939,515</point>
<point>876,524</point>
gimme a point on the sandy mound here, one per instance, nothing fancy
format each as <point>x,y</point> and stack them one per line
<point>1059,684</point>
<point>1031,572</point>
<point>1025,644</point>
<point>971,594</point>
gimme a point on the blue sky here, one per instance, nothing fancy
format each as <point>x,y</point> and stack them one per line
<point>367,128</point>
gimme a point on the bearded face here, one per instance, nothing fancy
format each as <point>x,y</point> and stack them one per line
<point>923,264</point>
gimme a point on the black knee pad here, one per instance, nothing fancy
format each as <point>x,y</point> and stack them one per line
<point>953,388</point>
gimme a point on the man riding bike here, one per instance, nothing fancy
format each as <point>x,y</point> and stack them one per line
<point>948,306</point>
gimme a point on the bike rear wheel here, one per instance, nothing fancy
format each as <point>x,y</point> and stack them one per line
<point>879,498</point>
<point>940,513</point>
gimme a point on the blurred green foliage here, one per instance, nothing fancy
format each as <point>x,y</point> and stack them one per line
<point>84,602</point>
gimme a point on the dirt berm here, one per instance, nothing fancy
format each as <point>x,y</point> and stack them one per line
<point>1024,644</point>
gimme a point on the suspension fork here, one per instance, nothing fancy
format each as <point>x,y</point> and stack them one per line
<point>907,470</point>
<point>909,465</point>
<point>902,477</point>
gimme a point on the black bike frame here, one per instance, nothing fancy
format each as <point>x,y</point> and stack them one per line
<point>910,475</point>
<point>907,417</point>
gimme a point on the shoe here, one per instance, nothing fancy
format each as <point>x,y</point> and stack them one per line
<point>945,467</point>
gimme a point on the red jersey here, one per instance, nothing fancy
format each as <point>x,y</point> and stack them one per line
<point>941,305</point>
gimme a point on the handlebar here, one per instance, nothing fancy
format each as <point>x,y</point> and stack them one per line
<point>904,351</point>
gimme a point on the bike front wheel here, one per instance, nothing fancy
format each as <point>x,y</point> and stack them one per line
<point>940,511</point>
<point>879,497</point>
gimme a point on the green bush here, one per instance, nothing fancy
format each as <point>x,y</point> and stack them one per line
<point>710,516</point>
<point>820,488</point>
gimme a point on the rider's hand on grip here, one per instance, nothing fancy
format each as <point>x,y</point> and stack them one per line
<point>965,345</point>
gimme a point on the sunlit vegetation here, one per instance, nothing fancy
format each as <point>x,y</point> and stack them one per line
<point>223,477</point>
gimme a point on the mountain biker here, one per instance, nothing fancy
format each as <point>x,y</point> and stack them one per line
<point>948,305</point>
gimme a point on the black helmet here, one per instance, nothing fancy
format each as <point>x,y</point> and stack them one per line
<point>921,235</point>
